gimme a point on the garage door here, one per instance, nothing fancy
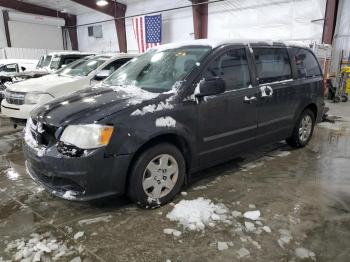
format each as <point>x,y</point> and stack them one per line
<point>35,32</point>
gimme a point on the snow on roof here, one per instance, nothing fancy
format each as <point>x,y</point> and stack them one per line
<point>215,43</point>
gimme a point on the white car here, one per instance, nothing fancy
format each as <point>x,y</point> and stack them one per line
<point>21,98</point>
<point>17,65</point>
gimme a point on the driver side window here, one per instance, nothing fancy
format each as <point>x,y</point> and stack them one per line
<point>232,67</point>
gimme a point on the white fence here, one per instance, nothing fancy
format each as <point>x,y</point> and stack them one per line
<point>24,53</point>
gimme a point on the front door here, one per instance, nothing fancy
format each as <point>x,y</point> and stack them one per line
<point>227,121</point>
<point>277,93</point>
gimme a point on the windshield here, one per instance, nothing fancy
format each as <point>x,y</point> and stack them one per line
<point>158,70</point>
<point>55,62</point>
<point>84,67</point>
<point>40,62</point>
<point>46,61</point>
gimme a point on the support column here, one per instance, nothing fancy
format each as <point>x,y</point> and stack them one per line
<point>120,27</point>
<point>71,23</point>
<point>5,15</point>
<point>200,19</point>
<point>329,22</point>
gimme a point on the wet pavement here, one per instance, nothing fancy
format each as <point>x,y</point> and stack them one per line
<point>303,196</point>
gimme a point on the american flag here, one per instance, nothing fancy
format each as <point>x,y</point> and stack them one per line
<point>148,31</point>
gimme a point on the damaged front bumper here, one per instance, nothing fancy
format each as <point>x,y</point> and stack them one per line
<point>91,176</point>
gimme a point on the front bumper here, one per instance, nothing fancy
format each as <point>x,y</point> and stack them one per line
<point>16,111</point>
<point>88,177</point>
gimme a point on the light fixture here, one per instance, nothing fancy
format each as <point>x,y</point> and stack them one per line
<point>101,2</point>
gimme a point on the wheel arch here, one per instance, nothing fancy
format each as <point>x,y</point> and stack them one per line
<point>172,138</point>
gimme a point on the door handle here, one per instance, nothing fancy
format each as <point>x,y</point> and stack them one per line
<point>249,100</point>
<point>266,91</point>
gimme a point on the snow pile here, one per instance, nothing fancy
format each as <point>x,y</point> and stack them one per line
<point>38,248</point>
<point>198,213</point>
<point>136,94</point>
<point>165,122</point>
<point>285,238</point>
<point>29,139</point>
<point>304,253</point>
<point>252,215</point>
<point>174,232</point>
<point>152,108</point>
<point>11,174</point>
<point>95,220</point>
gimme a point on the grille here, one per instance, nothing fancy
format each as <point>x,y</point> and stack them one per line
<point>15,98</point>
<point>43,134</point>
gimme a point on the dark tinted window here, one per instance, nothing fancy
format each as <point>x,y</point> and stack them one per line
<point>272,64</point>
<point>232,66</point>
<point>306,64</point>
<point>10,68</point>
<point>115,65</point>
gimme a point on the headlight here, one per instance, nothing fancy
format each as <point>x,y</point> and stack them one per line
<point>34,98</point>
<point>87,136</point>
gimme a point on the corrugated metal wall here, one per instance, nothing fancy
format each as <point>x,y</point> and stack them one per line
<point>23,53</point>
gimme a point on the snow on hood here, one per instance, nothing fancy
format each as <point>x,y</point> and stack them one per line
<point>42,83</point>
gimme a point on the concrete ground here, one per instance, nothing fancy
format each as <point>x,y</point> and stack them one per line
<point>303,196</point>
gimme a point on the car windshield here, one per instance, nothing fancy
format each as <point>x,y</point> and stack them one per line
<point>46,61</point>
<point>84,67</point>
<point>55,62</point>
<point>158,70</point>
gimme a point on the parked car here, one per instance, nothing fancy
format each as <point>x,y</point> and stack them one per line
<point>170,112</point>
<point>9,67</point>
<point>22,97</point>
<point>48,64</point>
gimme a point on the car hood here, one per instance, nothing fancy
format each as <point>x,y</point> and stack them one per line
<point>90,105</point>
<point>42,84</point>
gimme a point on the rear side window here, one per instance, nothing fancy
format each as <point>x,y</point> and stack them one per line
<point>272,64</point>
<point>306,63</point>
<point>232,67</point>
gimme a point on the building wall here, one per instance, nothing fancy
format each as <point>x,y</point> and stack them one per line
<point>3,42</point>
<point>109,41</point>
<point>267,19</point>
<point>254,19</point>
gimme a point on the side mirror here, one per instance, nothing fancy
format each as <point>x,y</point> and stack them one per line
<point>102,75</point>
<point>212,86</point>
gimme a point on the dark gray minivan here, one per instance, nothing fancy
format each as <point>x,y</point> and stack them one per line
<point>174,110</point>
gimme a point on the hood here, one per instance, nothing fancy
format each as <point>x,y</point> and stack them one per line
<point>42,84</point>
<point>91,105</point>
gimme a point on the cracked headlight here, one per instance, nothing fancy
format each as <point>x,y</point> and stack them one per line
<point>35,98</point>
<point>87,136</point>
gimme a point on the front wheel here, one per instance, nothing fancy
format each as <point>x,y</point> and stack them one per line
<point>303,130</point>
<point>157,176</point>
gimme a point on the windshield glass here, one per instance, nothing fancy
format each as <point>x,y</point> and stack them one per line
<point>46,61</point>
<point>55,62</point>
<point>40,62</point>
<point>158,70</point>
<point>84,67</point>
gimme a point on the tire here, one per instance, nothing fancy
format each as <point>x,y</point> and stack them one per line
<point>297,139</point>
<point>152,189</point>
<point>344,98</point>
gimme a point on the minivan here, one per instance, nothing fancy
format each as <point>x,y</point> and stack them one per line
<point>172,111</point>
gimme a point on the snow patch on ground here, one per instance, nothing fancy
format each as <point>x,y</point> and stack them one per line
<point>252,215</point>
<point>333,126</point>
<point>304,253</point>
<point>165,122</point>
<point>79,235</point>
<point>38,248</point>
<point>243,252</point>
<point>11,174</point>
<point>174,232</point>
<point>198,213</point>
<point>90,221</point>
<point>285,238</point>
<point>249,166</point>
<point>281,153</point>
